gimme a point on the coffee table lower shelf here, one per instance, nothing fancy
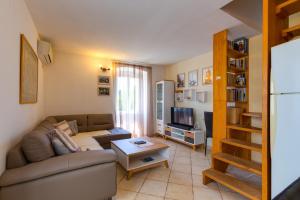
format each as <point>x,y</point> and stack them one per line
<point>134,164</point>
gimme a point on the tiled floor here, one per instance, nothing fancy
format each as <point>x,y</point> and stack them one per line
<point>182,181</point>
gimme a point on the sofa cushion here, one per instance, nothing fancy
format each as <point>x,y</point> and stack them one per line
<point>48,125</point>
<point>37,146</point>
<point>86,142</point>
<point>58,146</point>
<point>81,120</point>
<point>51,119</point>
<point>100,122</point>
<point>15,157</point>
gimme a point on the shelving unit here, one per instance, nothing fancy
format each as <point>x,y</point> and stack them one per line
<point>232,142</point>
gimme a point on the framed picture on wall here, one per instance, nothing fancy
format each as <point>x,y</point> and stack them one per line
<point>103,80</point>
<point>207,75</point>
<point>180,80</point>
<point>103,91</point>
<point>28,73</point>
<point>193,78</point>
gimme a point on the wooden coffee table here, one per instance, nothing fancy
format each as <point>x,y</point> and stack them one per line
<point>131,156</point>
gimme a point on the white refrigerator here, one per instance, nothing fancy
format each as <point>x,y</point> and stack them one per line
<point>285,115</point>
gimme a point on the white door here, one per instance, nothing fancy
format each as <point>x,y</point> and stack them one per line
<point>286,67</point>
<point>285,141</point>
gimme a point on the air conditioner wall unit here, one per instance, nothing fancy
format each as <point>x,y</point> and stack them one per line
<point>45,52</point>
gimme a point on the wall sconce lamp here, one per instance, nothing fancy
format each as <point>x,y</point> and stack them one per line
<point>104,69</point>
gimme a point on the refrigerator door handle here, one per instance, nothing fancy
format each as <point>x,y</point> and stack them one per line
<point>273,121</point>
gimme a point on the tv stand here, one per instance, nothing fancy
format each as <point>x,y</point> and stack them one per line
<point>180,126</point>
<point>190,137</point>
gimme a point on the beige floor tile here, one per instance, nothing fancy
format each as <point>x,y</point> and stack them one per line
<point>201,193</point>
<point>232,196</point>
<point>197,169</point>
<point>182,160</point>
<point>182,168</point>
<point>142,174</point>
<point>153,187</point>
<point>141,196</point>
<point>200,162</point>
<point>159,174</point>
<point>181,178</point>
<point>134,184</point>
<point>125,195</point>
<point>197,180</point>
<point>180,153</point>
<point>179,192</point>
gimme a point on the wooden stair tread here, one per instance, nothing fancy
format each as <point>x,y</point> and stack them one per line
<point>252,114</point>
<point>248,190</point>
<point>242,144</point>
<point>247,165</point>
<point>246,128</point>
<point>287,8</point>
<point>291,32</point>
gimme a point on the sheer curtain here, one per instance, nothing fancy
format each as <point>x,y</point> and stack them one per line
<point>133,98</point>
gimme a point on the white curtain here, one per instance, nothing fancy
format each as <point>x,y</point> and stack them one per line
<point>133,103</point>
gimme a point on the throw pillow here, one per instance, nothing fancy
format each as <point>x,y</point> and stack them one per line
<point>57,144</point>
<point>67,140</point>
<point>73,126</point>
<point>64,127</point>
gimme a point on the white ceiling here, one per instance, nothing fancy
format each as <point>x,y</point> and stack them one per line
<point>146,31</point>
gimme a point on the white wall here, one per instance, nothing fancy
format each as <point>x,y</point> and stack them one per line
<point>196,63</point>
<point>15,119</point>
<point>71,85</point>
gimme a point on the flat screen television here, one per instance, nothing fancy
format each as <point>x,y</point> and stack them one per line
<point>182,116</point>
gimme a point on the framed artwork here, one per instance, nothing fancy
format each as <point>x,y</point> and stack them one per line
<point>207,75</point>
<point>28,73</point>
<point>180,80</point>
<point>103,91</point>
<point>193,78</point>
<point>103,80</point>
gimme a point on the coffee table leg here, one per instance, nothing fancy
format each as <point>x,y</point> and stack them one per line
<point>166,164</point>
<point>129,175</point>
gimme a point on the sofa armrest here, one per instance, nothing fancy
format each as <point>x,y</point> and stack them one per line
<point>56,165</point>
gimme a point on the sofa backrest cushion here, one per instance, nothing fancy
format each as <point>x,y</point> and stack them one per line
<point>37,146</point>
<point>81,120</point>
<point>100,122</point>
<point>15,157</point>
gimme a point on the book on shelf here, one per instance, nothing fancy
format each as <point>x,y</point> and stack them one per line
<point>238,80</point>
<point>237,95</point>
<point>238,64</point>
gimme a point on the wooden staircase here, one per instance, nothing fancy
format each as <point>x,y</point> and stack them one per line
<point>230,147</point>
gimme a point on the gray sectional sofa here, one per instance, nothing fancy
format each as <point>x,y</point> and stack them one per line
<point>35,172</point>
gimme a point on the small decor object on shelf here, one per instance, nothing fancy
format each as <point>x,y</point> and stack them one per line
<point>207,76</point>
<point>103,91</point>
<point>180,80</point>
<point>193,78</point>
<point>28,73</point>
<point>241,45</point>
<point>103,80</point>
<point>179,95</point>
